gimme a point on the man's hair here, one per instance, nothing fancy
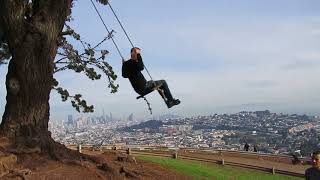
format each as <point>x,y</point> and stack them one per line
<point>315,153</point>
<point>133,49</point>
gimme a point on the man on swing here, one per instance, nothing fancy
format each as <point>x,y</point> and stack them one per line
<point>132,69</point>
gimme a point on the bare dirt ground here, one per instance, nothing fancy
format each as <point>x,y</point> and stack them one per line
<point>117,166</point>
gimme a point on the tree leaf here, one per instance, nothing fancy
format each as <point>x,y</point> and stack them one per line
<point>104,2</point>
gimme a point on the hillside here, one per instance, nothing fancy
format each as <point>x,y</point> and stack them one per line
<point>115,166</point>
<point>151,124</point>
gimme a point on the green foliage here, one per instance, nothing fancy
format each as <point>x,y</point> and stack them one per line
<point>104,2</point>
<point>91,62</point>
<point>77,102</point>
<point>87,62</point>
<point>80,103</point>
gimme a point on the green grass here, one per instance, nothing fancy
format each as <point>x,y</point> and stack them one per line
<point>199,170</point>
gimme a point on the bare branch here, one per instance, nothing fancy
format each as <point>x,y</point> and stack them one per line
<point>76,100</point>
<point>88,61</point>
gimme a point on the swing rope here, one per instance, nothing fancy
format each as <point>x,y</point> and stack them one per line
<point>109,32</point>
<point>115,44</point>
<point>125,32</point>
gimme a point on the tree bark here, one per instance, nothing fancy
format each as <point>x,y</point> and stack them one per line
<point>33,44</point>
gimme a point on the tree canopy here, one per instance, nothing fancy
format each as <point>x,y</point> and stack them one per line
<point>89,60</point>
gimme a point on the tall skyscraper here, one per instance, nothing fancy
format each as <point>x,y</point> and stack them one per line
<point>130,118</point>
<point>70,120</point>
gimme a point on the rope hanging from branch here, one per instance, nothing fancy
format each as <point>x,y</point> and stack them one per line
<point>115,44</point>
<point>109,32</point>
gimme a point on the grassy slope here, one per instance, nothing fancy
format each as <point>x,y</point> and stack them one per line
<point>216,172</point>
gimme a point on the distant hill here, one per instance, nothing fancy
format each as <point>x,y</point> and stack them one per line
<point>151,124</point>
<point>166,116</point>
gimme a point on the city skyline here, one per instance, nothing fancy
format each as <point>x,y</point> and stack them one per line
<point>217,56</point>
<point>271,132</point>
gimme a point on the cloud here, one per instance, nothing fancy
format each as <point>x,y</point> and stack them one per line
<point>262,84</point>
<point>302,65</point>
<point>306,61</point>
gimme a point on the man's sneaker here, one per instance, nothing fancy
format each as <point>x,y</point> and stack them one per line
<point>173,103</point>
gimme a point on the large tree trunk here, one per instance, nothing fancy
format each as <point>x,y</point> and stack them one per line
<point>33,45</point>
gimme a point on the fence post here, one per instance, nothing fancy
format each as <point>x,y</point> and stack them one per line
<point>222,162</point>
<point>79,148</point>
<point>273,171</point>
<point>129,151</point>
<point>175,155</point>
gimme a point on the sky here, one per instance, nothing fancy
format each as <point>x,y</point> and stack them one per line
<point>217,56</point>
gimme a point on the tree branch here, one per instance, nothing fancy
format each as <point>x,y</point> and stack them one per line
<point>77,102</point>
<point>12,21</point>
<point>67,32</point>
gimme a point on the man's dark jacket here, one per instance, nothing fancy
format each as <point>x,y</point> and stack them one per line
<point>132,69</point>
<point>312,173</point>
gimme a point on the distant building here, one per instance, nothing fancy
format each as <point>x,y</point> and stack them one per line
<point>130,118</point>
<point>81,122</point>
<point>70,120</point>
<point>110,117</point>
<point>107,118</point>
<point>262,113</point>
<point>184,128</point>
<point>301,128</point>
